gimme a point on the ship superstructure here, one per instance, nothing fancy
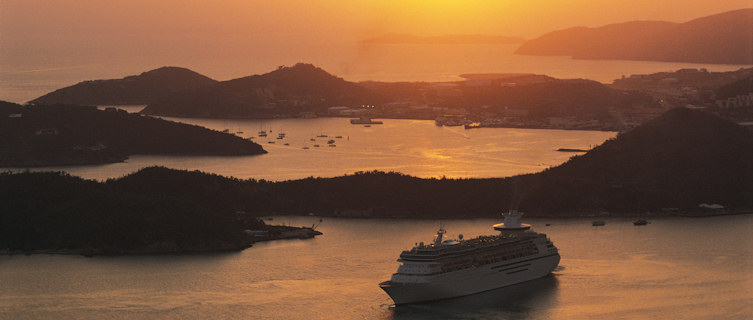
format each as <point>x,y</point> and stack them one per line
<point>451,268</point>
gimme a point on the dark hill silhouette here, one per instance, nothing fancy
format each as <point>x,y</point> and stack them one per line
<point>73,135</point>
<point>283,92</point>
<point>132,90</point>
<point>56,213</point>
<point>720,38</point>
<point>679,160</point>
<point>540,96</point>
<point>578,41</point>
<point>556,97</point>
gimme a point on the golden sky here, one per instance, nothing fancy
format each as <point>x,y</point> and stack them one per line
<point>336,20</point>
<point>53,43</point>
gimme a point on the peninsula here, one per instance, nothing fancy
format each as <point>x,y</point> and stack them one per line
<point>513,100</point>
<point>517,100</point>
<point>52,212</point>
<point>285,92</point>
<point>57,135</point>
<point>141,89</point>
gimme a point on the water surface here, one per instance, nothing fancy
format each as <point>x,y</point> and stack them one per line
<point>673,268</point>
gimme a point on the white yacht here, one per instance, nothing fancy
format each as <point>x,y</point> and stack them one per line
<point>453,268</point>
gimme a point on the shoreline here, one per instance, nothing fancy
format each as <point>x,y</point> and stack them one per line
<point>309,233</point>
<point>291,233</point>
<point>529,215</point>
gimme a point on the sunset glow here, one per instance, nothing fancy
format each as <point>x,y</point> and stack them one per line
<point>336,19</point>
<point>292,159</point>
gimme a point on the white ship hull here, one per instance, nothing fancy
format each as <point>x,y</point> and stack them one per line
<point>472,280</point>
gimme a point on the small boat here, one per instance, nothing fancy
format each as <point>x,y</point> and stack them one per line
<point>338,137</point>
<point>271,142</point>
<point>333,145</point>
<point>262,133</point>
<point>640,222</point>
<point>598,223</point>
<point>305,148</point>
<point>312,139</point>
<point>316,146</point>
<point>330,141</point>
<point>322,136</point>
<point>286,144</point>
<point>367,126</point>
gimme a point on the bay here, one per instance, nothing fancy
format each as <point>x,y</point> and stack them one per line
<point>673,268</point>
<point>413,147</point>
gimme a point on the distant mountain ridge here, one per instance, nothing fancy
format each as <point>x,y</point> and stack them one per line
<point>285,91</point>
<point>725,38</point>
<point>399,38</point>
<point>131,90</point>
<point>556,97</point>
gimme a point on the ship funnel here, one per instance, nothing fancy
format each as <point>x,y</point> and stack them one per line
<point>512,222</point>
<point>512,218</point>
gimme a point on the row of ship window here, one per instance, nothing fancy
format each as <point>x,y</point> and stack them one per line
<point>514,254</point>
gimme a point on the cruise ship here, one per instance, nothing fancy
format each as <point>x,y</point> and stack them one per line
<point>453,268</point>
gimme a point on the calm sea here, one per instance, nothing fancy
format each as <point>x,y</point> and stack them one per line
<point>673,268</point>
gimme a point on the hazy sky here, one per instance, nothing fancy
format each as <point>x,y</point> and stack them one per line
<point>334,20</point>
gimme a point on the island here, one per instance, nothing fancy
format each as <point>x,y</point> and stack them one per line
<point>399,38</point>
<point>57,135</point>
<point>722,38</point>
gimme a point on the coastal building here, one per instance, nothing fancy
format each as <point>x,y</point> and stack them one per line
<point>736,102</point>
